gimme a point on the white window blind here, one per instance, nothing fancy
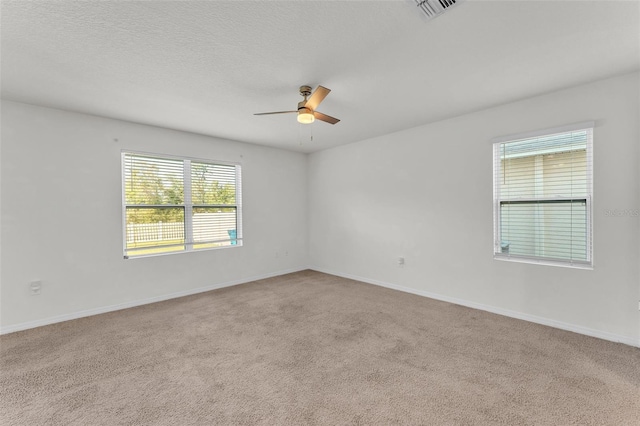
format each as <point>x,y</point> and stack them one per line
<point>543,197</point>
<point>179,204</point>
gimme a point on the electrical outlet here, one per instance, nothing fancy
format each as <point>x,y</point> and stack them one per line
<point>401,261</point>
<point>35,288</point>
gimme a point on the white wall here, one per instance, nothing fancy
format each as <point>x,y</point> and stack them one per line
<point>61,216</point>
<point>426,194</point>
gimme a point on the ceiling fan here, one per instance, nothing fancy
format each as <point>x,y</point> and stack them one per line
<point>307,109</point>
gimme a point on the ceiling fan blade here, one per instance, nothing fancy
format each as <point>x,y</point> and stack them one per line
<point>317,97</point>
<point>324,117</point>
<point>276,112</point>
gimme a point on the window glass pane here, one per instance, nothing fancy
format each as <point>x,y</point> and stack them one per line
<point>214,227</point>
<point>555,230</point>
<point>213,184</point>
<point>153,180</point>
<point>550,175</point>
<point>159,229</point>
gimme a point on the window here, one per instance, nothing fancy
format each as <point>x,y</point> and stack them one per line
<point>179,204</point>
<point>542,197</point>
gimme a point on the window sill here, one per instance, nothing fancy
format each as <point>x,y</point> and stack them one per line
<point>170,253</point>
<point>546,262</point>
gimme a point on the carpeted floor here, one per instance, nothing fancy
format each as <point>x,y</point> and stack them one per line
<point>310,348</point>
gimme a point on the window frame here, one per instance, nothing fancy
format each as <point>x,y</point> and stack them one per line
<point>187,205</point>
<point>588,198</point>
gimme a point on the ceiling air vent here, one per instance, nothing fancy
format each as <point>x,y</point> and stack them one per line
<point>434,8</point>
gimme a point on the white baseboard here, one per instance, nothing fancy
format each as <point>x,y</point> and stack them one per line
<point>500,311</point>
<point>126,305</point>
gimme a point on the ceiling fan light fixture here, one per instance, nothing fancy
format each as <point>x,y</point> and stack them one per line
<point>305,116</point>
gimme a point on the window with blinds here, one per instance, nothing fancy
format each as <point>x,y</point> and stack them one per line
<point>543,197</point>
<point>179,204</point>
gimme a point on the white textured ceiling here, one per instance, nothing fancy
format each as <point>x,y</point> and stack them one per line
<point>207,66</point>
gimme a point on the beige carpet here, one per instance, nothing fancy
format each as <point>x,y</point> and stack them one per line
<point>310,348</point>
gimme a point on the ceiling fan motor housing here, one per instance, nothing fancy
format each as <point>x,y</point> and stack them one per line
<point>302,109</point>
<point>305,91</point>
